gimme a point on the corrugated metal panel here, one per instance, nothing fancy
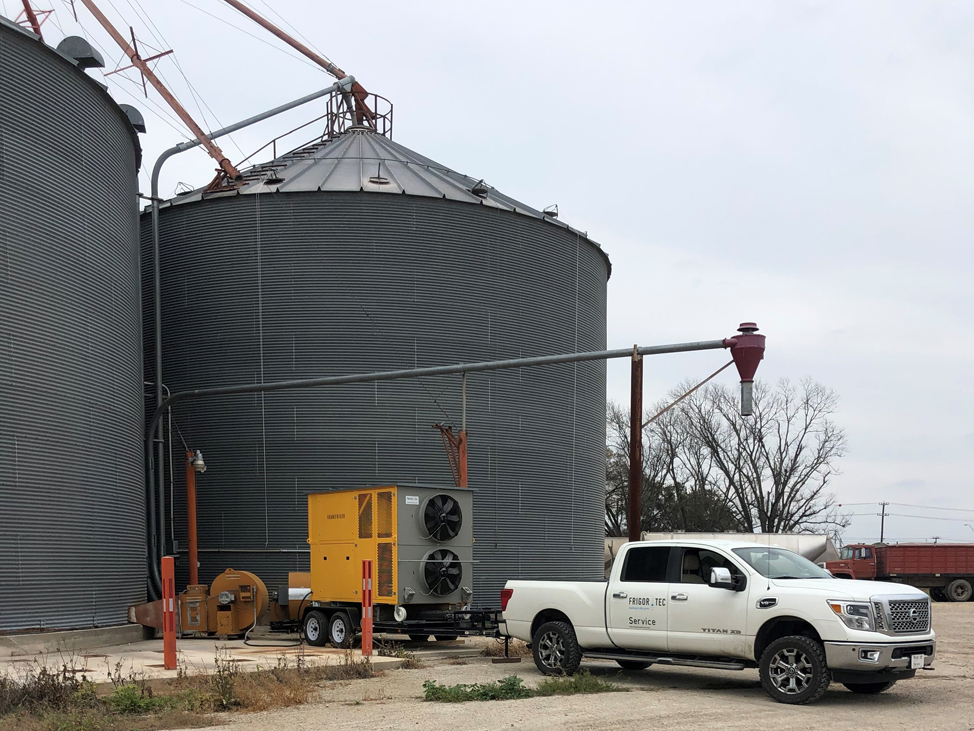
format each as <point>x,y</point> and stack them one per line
<point>72,533</point>
<point>283,286</point>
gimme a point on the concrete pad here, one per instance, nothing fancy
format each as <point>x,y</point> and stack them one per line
<point>35,643</point>
<point>193,655</point>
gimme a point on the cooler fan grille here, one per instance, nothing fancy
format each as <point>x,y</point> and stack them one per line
<point>442,517</point>
<point>442,571</point>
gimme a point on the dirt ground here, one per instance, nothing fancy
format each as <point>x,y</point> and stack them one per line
<point>671,698</point>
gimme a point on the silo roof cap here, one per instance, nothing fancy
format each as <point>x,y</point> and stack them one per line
<point>362,160</point>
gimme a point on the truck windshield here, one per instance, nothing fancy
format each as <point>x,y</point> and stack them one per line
<point>777,563</point>
<point>846,552</point>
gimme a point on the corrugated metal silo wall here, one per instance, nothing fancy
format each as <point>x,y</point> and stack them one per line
<point>299,285</point>
<point>72,533</point>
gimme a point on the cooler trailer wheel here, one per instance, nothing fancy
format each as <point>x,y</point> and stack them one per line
<point>315,623</point>
<point>340,630</point>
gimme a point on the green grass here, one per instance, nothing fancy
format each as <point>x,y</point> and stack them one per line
<point>512,688</point>
<point>582,682</point>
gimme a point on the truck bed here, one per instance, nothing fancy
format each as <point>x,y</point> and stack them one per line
<point>925,558</point>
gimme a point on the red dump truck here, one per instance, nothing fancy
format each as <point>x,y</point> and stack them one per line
<point>947,570</point>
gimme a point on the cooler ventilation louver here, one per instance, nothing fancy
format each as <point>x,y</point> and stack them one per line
<point>442,518</point>
<point>442,571</point>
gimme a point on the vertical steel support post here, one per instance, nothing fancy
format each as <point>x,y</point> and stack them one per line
<point>366,608</point>
<point>462,444</point>
<point>194,563</point>
<point>168,613</point>
<point>636,447</point>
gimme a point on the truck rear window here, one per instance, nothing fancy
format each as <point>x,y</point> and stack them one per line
<point>646,564</point>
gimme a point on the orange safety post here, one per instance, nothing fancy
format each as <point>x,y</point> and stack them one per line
<point>169,612</point>
<point>366,608</point>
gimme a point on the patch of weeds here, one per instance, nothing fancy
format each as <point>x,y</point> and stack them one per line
<point>509,688</point>
<point>512,688</point>
<point>517,648</point>
<point>350,668</point>
<point>457,661</point>
<point>398,650</point>
<point>582,682</point>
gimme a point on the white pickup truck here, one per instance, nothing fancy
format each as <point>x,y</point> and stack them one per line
<point>725,605</point>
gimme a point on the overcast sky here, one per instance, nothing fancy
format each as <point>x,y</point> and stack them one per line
<point>806,165</point>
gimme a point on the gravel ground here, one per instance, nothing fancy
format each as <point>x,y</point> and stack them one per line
<point>671,698</point>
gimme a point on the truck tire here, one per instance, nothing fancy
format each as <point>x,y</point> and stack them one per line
<point>959,590</point>
<point>315,623</point>
<point>870,688</point>
<point>937,594</point>
<point>793,670</point>
<point>340,630</point>
<point>555,649</point>
<point>633,664</point>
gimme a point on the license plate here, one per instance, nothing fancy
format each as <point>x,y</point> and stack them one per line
<point>916,662</point>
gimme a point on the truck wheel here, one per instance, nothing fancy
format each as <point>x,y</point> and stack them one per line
<point>793,670</point>
<point>937,594</point>
<point>869,688</point>
<point>555,649</point>
<point>633,664</point>
<point>340,631</point>
<point>959,590</point>
<point>314,628</point>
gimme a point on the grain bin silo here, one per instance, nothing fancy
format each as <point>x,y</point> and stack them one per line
<point>355,254</point>
<point>72,495</point>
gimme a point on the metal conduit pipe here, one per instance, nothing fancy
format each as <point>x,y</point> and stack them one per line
<point>157,533</point>
<point>433,371</point>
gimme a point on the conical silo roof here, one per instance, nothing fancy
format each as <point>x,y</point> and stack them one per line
<point>361,160</point>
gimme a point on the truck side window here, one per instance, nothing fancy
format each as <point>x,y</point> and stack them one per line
<point>646,564</point>
<point>867,553</point>
<point>697,563</point>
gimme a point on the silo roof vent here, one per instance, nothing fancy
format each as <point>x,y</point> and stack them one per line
<point>82,52</point>
<point>135,117</point>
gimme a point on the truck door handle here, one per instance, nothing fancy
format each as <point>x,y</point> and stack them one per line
<point>679,597</point>
<point>619,595</point>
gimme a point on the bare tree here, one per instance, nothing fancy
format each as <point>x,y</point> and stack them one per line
<point>708,468</point>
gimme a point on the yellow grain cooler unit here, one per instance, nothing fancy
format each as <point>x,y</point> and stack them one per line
<point>420,541</point>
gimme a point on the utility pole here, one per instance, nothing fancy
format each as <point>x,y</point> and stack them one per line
<point>636,447</point>
<point>882,521</point>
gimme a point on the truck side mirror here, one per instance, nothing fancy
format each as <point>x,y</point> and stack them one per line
<point>721,578</point>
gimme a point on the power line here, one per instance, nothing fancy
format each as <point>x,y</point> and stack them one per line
<point>256,38</point>
<point>911,505</point>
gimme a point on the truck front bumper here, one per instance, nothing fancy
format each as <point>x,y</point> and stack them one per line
<point>874,657</point>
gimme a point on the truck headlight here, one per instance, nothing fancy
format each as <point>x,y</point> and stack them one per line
<point>855,615</point>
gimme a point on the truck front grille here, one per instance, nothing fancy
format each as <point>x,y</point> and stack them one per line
<point>909,615</point>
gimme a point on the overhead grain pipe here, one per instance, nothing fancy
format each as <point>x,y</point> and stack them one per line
<point>214,151</point>
<point>362,111</point>
<point>442,371</point>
